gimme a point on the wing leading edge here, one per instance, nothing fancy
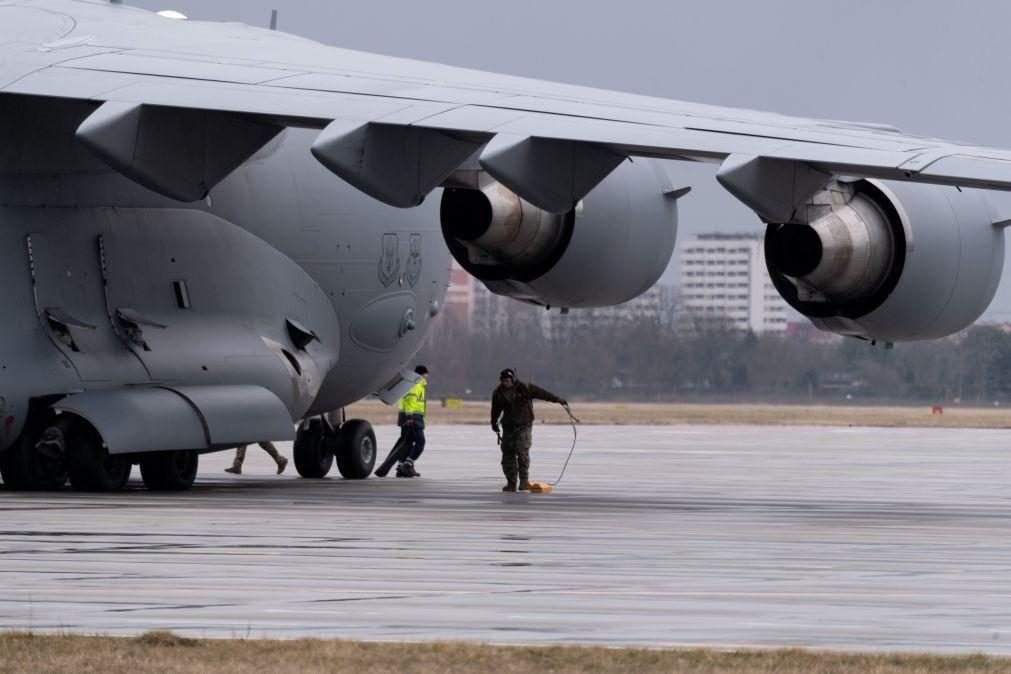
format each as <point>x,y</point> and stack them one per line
<point>396,129</point>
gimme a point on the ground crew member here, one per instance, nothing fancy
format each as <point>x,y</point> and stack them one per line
<point>412,429</point>
<point>513,402</point>
<point>268,447</point>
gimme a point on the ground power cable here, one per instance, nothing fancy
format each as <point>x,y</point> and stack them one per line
<point>575,436</point>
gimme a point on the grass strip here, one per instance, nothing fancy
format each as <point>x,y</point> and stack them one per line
<point>167,652</point>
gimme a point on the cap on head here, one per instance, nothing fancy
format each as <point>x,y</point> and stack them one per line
<point>507,374</point>
<point>421,369</point>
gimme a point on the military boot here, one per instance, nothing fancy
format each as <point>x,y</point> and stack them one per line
<point>235,469</point>
<point>510,486</point>
<point>524,485</point>
<point>282,463</point>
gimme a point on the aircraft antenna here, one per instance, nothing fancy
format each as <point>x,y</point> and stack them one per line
<point>273,19</point>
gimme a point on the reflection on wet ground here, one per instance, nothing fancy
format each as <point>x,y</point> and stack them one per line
<point>848,538</point>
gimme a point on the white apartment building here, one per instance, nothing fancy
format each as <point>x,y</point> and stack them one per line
<point>723,278</point>
<point>656,304</point>
<point>480,310</point>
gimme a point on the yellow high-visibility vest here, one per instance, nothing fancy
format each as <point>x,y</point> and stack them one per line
<point>414,401</point>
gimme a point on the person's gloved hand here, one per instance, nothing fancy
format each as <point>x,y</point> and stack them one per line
<point>409,422</point>
<point>495,427</point>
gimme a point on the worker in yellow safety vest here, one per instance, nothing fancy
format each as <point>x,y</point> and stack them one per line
<point>412,424</point>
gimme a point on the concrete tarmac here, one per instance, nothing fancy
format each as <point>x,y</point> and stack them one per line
<point>843,538</point>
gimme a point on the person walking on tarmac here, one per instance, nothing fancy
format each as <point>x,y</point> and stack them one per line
<point>513,402</point>
<point>412,428</point>
<point>268,447</point>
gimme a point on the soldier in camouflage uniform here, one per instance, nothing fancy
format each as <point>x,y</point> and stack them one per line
<point>513,402</point>
<point>268,447</point>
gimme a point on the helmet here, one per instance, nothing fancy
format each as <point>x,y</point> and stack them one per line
<point>507,373</point>
<point>421,369</point>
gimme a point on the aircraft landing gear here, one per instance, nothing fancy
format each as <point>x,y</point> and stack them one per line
<point>169,471</point>
<point>314,448</point>
<point>356,449</point>
<point>24,467</point>
<point>319,443</point>
<point>89,464</point>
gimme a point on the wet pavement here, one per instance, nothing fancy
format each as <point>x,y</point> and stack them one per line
<point>866,539</point>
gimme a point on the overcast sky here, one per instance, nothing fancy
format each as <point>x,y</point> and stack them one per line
<point>930,67</point>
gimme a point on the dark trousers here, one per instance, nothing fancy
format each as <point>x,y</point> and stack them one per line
<point>414,435</point>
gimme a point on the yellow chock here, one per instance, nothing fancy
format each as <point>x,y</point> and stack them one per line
<point>539,487</point>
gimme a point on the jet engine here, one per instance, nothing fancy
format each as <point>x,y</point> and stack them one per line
<point>607,250</point>
<point>889,261</point>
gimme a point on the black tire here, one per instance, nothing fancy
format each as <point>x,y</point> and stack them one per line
<point>89,464</point>
<point>24,468</point>
<point>169,471</point>
<point>356,449</point>
<point>313,451</point>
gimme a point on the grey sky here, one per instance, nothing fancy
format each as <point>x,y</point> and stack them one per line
<point>927,66</point>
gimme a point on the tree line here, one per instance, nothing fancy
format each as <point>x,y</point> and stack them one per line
<point>659,358</point>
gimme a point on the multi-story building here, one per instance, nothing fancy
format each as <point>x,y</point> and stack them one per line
<point>474,307</point>
<point>480,310</point>
<point>656,304</point>
<point>460,296</point>
<point>724,280</point>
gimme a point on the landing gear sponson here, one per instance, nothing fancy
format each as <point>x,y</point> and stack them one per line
<point>54,449</point>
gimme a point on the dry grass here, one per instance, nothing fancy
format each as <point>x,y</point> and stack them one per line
<point>475,412</point>
<point>164,652</point>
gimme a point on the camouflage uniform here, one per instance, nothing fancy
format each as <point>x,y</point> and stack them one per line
<point>268,447</point>
<point>516,408</point>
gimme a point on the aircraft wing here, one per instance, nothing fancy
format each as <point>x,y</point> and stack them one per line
<point>397,128</point>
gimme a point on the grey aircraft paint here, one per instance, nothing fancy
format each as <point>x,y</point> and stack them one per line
<point>218,232</point>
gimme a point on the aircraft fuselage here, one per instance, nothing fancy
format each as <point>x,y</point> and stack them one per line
<point>110,285</point>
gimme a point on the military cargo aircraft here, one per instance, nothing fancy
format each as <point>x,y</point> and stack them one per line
<point>214,234</point>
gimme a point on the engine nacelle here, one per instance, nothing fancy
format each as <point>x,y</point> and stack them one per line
<point>610,248</point>
<point>889,261</point>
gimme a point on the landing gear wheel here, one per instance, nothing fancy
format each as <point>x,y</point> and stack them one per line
<point>169,471</point>
<point>356,449</point>
<point>24,468</point>
<point>313,450</point>
<point>89,464</point>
